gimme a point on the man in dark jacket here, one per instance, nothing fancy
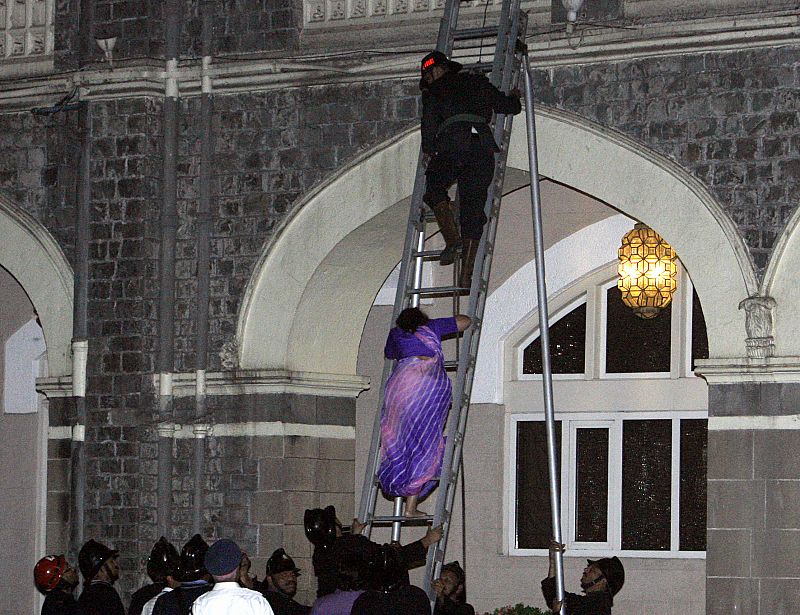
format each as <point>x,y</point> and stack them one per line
<point>332,545</point>
<point>281,585</point>
<point>100,571</point>
<point>456,110</point>
<point>195,580</point>
<point>56,579</point>
<point>601,581</point>
<point>163,562</point>
<point>389,592</point>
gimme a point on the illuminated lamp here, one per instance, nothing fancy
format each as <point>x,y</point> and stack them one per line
<point>647,271</point>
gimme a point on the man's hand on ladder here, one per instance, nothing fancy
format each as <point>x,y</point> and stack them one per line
<point>432,536</point>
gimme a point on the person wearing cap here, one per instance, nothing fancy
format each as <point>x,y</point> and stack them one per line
<point>281,585</point>
<point>601,580</point>
<point>451,592</point>
<point>228,597</point>
<point>100,571</point>
<point>457,108</point>
<point>161,566</point>
<point>194,580</point>
<point>332,545</point>
<point>57,580</point>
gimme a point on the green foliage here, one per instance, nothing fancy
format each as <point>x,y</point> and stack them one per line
<point>519,609</point>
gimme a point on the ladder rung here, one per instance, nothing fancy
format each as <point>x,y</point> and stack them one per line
<point>451,365</point>
<point>407,520</point>
<point>434,291</point>
<point>482,66</point>
<point>471,33</point>
<point>429,255</point>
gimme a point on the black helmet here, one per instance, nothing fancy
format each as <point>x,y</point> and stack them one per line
<point>279,562</point>
<point>612,570</point>
<point>163,561</point>
<point>320,526</point>
<point>92,556</point>
<point>386,570</point>
<point>192,566</point>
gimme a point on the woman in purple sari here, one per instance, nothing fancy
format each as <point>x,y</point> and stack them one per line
<point>415,406</point>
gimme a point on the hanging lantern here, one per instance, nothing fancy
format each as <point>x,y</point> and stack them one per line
<point>647,271</point>
<point>572,7</point>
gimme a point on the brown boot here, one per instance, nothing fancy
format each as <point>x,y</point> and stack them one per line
<point>447,224</point>
<point>468,262</point>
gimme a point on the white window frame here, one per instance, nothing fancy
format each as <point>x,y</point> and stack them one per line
<point>570,422</point>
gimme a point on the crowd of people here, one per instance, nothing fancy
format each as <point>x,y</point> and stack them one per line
<point>354,576</point>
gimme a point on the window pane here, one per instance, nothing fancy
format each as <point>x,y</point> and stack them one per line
<point>633,344</point>
<point>694,442</point>
<point>591,499</point>
<point>646,492</point>
<point>533,485</point>
<point>567,345</point>
<point>699,336</point>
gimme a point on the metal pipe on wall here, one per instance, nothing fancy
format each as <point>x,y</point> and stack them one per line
<point>203,262</point>
<point>166,299</point>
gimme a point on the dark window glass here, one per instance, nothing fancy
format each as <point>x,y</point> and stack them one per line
<point>567,346</point>
<point>533,484</point>
<point>633,344</point>
<point>591,510</point>
<point>694,444</point>
<point>646,477</point>
<point>699,336</point>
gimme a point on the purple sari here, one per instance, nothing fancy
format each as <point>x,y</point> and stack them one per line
<point>415,406</point>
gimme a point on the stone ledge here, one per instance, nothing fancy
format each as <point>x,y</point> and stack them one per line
<point>736,370</point>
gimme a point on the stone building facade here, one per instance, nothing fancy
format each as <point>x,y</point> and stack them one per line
<point>301,98</point>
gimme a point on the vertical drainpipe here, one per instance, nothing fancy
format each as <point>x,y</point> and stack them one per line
<point>203,266</point>
<point>80,342</point>
<point>166,299</point>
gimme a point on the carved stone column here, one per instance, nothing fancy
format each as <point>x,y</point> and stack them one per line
<point>759,319</point>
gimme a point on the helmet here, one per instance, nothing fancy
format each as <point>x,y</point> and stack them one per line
<point>47,572</point>
<point>192,566</point>
<point>279,561</point>
<point>437,58</point>
<point>612,570</point>
<point>320,526</point>
<point>163,561</point>
<point>92,556</point>
<point>386,570</point>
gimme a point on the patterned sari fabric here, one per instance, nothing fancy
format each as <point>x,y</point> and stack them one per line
<point>415,406</point>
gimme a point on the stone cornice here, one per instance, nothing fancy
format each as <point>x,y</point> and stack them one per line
<point>739,370</point>
<point>227,75</point>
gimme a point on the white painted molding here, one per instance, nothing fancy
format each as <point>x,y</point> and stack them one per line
<point>236,430</point>
<point>755,423</point>
<point>743,370</point>
<point>31,254</point>
<point>55,386</point>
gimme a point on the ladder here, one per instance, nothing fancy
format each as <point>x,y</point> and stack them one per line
<point>507,37</point>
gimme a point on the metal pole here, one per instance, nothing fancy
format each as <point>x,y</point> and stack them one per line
<point>544,331</point>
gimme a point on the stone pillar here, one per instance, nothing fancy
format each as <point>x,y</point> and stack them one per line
<point>753,487</point>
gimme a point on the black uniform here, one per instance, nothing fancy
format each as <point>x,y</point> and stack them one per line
<point>143,596</point>
<point>100,598</point>
<point>355,546</point>
<point>593,603</point>
<point>456,110</point>
<point>57,602</point>
<point>405,600</point>
<point>179,601</point>
<point>284,605</point>
<point>445,606</point>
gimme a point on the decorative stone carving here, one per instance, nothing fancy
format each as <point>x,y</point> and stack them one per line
<point>337,10</point>
<point>378,8</point>
<point>230,355</point>
<point>316,11</point>
<point>759,324</point>
<point>400,7</point>
<point>358,8</point>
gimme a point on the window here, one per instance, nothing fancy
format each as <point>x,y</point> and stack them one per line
<point>26,29</point>
<point>631,483</point>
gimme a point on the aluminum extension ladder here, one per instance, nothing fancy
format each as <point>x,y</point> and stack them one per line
<point>508,39</point>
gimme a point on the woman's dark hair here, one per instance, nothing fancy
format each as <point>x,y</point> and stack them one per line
<point>411,319</point>
<point>460,595</point>
<point>350,573</point>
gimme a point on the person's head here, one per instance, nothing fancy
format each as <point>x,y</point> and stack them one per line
<point>282,574</point>
<point>410,319</point>
<point>434,65</point>
<point>385,569</point>
<point>454,580</point>
<point>349,573</point>
<point>98,562</point>
<point>321,526</point>
<point>192,561</point>
<point>53,572</point>
<point>222,560</point>
<point>606,574</point>
<point>163,561</point>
